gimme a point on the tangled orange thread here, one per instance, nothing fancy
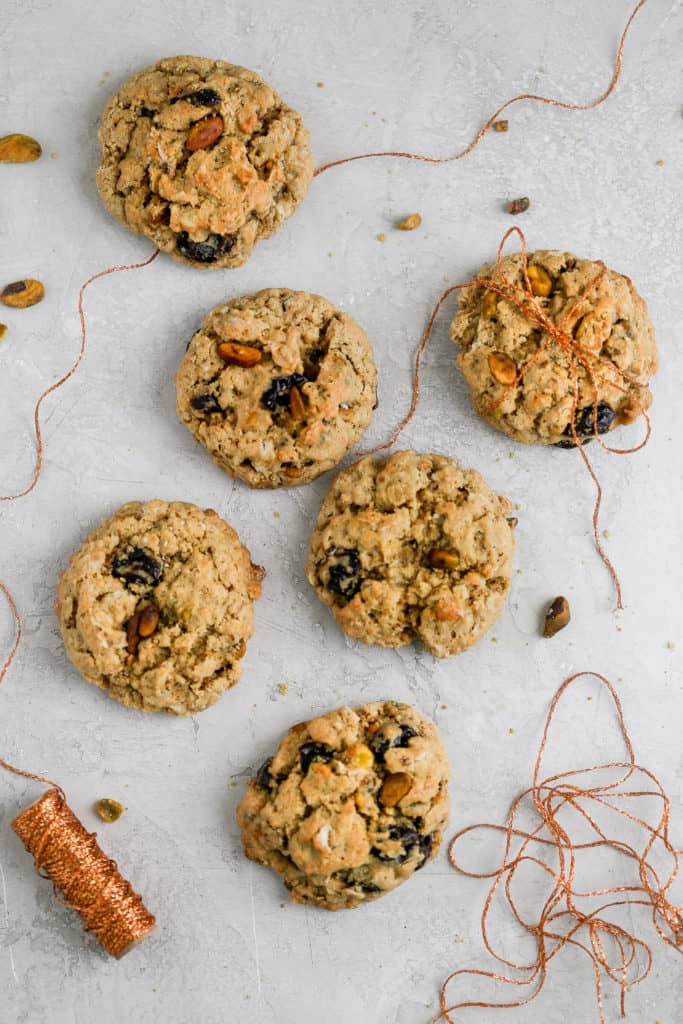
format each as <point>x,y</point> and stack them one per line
<point>64,852</point>
<point>565,919</point>
<point>68,374</point>
<point>494,117</point>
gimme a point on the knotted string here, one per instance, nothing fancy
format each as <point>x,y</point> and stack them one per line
<point>62,380</point>
<point>495,116</point>
<point>562,920</point>
<point>578,357</point>
<point>83,878</point>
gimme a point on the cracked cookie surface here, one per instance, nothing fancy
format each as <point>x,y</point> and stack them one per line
<point>203,158</point>
<point>412,547</point>
<point>351,804</point>
<point>157,605</point>
<point>277,386</point>
<point>496,341</point>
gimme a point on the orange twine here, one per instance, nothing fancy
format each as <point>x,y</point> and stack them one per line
<point>564,920</point>
<point>494,117</point>
<point>577,356</point>
<point>64,852</point>
<point>69,373</point>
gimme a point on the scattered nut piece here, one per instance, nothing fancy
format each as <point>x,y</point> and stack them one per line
<point>239,355</point>
<point>540,280</point>
<point>149,620</point>
<point>411,222</point>
<point>296,404</point>
<point>489,304</point>
<point>19,149</point>
<point>360,756</point>
<point>557,617</point>
<point>394,788</point>
<point>500,126</point>
<point>3,331</point>
<point>21,294</point>
<point>140,626</point>
<point>204,133</point>
<point>109,810</point>
<point>503,369</point>
<point>519,205</point>
<point>440,559</point>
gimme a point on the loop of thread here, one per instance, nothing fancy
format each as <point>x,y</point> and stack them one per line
<point>577,355</point>
<point>564,919</point>
<point>62,380</point>
<point>494,117</point>
<point>89,882</point>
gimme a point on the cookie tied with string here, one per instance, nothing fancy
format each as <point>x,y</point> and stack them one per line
<point>204,158</point>
<point>530,383</point>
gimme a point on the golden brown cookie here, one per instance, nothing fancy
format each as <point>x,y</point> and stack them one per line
<point>496,340</point>
<point>157,605</point>
<point>204,158</point>
<point>277,386</point>
<point>412,547</point>
<point>351,804</point>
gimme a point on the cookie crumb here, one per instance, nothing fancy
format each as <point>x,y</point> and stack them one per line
<point>519,205</point>
<point>511,730</point>
<point>500,126</point>
<point>321,85</point>
<point>660,163</point>
<point>670,645</point>
<point>109,810</point>
<point>410,222</point>
<point>3,331</point>
<point>381,237</point>
<point>283,688</point>
<point>605,534</point>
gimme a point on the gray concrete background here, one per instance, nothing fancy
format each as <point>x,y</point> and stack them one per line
<point>406,74</point>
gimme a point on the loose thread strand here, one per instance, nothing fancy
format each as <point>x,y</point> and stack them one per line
<point>549,796</point>
<point>62,380</point>
<point>494,117</point>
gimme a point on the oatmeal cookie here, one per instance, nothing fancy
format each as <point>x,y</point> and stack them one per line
<point>157,605</point>
<point>412,547</point>
<point>351,805</point>
<point>277,386</point>
<point>496,341</point>
<point>204,158</point>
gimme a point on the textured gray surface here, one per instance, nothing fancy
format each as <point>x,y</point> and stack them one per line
<point>407,74</point>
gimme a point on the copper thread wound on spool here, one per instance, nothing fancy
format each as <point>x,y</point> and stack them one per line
<point>89,882</point>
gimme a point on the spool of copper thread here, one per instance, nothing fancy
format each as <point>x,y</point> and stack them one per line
<point>88,881</point>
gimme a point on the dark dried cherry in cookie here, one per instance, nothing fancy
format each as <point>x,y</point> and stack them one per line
<point>202,98</point>
<point>344,577</point>
<point>278,392</point>
<point>408,838</point>
<point>310,752</point>
<point>137,567</point>
<point>584,425</point>
<point>380,743</point>
<point>207,251</point>
<point>206,403</point>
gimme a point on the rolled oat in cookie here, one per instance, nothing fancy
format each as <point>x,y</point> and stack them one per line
<point>351,804</point>
<point>611,324</point>
<point>203,158</point>
<point>277,386</point>
<point>157,605</point>
<point>412,547</point>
